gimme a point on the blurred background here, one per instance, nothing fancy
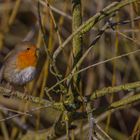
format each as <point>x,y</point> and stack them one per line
<point>19,21</point>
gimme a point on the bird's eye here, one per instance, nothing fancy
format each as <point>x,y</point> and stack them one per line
<point>28,49</point>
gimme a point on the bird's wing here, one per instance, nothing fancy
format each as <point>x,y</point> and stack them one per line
<point>6,60</point>
<point>11,53</point>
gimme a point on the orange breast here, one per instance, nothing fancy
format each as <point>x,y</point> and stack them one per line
<point>26,58</point>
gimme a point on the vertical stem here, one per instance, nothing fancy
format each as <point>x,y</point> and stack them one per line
<point>102,49</point>
<point>14,12</point>
<point>76,51</point>
<point>91,122</point>
<point>77,40</point>
<point>113,77</point>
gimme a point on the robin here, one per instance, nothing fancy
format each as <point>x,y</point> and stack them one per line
<point>20,65</point>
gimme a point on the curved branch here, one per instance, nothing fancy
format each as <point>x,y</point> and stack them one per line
<point>88,25</point>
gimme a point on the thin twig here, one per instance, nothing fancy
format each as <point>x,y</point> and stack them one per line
<point>15,111</point>
<point>91,66</point>
<point>56,10</point>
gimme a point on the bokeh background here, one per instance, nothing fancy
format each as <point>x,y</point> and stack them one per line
<point>19,21</point>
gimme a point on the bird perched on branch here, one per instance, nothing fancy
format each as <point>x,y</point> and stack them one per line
<point>20,65</point>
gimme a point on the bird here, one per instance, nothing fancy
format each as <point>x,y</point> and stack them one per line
<point>20,65</point>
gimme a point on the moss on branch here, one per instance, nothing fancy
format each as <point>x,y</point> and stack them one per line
<point>19,95</point>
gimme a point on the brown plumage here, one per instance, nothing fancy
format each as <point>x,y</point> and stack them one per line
<point>19,66</point>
